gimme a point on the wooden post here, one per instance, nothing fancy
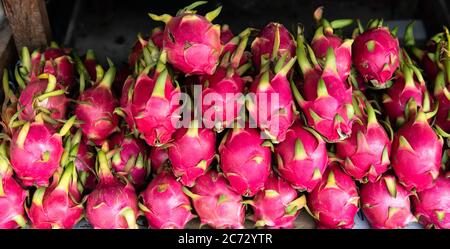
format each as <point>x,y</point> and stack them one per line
<point>29,22</point>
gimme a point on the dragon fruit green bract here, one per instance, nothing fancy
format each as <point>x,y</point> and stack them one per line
<point>277,205</point>
<point>12,195</point>
<point>375,55</point>
<point>192,42</point>
<point>165,204</point>
<point>432,206</point>
<point>240,150</point>
<point>334,202</point>
<point>199,144</point>
<point>113,204</point>
<point>442,94</point>
<point>302,157</point>
<point>416,154</point>
<point>386,203</point>
<point>57,206</point>
<point>216,204</point>
<point>366,153</point>
<point>95,108</point>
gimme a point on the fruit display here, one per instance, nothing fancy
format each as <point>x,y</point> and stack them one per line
<point>206,126</point>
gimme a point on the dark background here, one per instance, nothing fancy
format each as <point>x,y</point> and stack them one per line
<point>110,26</point>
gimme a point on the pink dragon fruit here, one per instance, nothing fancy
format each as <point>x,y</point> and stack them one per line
<point>386,203</point>
<point>334,202</point>
<point>242,149</point>
<point>12,196</point>
<point>272,106</point>
<point>62,67</point>
<point>273,41</point>
<point>216,204</point>
<point>58,205</point>
<point>36,151</point>
<point>159,159</point>
<point>327,100</point>
<point>113,204</point>
<point>442,95</point>
<point>405,90</point>
<point>199,144</point>
<point>157,93</point>
<point>277,206</point>
<point>136,52</point>
<point>375,54</point>
<point>84,160</point>
<point>432,206</point>
<point>164,203</point>
<point>366,152</point>
<point>157,37</point>
<point>225,34</point>
<point>44,93</point>
<point>416,154</point>
<point>95,108</point>
<point>302,157</point>
<point>130,158</point>
<point>323,39</point>
<point>90,62</point>
<point>192,42</point>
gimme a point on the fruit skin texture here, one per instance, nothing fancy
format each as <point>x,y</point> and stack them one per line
<point>159,159</point>
<point>130,158</point>
<point>334,202</point>
<point>113,203</point>
<point>95,108</point>
<point>277,206</point>
<point>57,105</point>
<point>386,203</point>
<point>366,152</point>
<point>375,54</point>
<point>326,100</point>
<point>302,157</point>
<point>216,204</point>
<point>240,150</point>
<point>416,154</point>
<point>165,204</point>
<point>202,54</point>
<point>38,157</point>
<point>191,152</point>
<point>12,196</point>
<point>342,49</point>
<point>58,205</point>
<point>432,206</point>
<point>264,43</point>
<point>442,95</point>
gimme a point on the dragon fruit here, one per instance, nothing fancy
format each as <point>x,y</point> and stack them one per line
<point>273,41</point>
<point>416,154</point>
<point>95,108</point>
<point>136,52</point>
<point>225,34</point>
<point>302,157</point>
<point>43,94</point>
<point>216,204</point>
<point>157,37</point>
<point>271,104</point>
<point>323,39</point>
<point>442,95</point>
<point>90,63</point>
<point>164,203</point>
<point>240,150</point>
<point>36,151</point>
<point>62,67</point>
<point>157,93</point>
<point>327,100</point>
<point>58,205</point>
<point>113,204</point>
<point>405,90</point>
<point>84,160</point>
<point>191,152</point>
<point>192,42</point>
<point>432,206</point>
<point>12,195</point>
<point>277,206</point>
<point>334,202</point>
<point>159,159</point>
<point>367,151</point>
<point>375,54</point>
<point>386,203</point>
<point>130,158</point>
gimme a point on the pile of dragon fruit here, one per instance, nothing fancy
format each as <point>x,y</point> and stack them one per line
<point>359,123</point>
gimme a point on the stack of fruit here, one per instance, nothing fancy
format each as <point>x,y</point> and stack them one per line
<point>329,127</point>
